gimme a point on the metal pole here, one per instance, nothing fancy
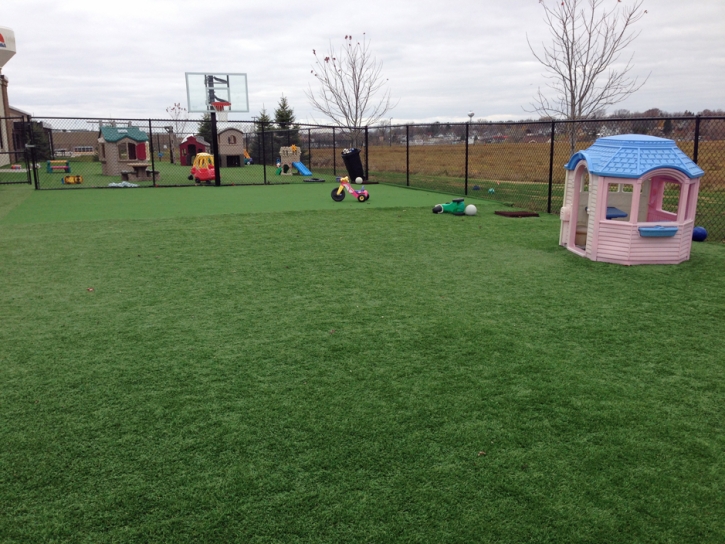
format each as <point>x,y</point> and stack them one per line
<point>367,172</point>
<point>696,152</point>
<point>32,152</point>
<point>468,125</point>
<point>334,154</point>
<point>215,150</point>
<point>171,149</point>
<point>309,148</point>
<point>407,155</point>
<point>151,150</point>
<point>264,155</point>
<point>551,165</point>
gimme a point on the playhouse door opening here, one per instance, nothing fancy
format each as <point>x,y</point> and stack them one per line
<point>581,220</point>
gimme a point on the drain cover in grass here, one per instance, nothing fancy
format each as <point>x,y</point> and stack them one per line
<point>517,214</point>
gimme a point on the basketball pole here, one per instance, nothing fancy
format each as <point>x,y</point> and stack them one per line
<point>215,150</point>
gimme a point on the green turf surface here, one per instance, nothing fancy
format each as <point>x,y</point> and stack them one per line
<point>52,206</point>
<point>350,374</point>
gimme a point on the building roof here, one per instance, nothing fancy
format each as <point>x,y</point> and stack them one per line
<point>115,134</point>
<point>198,139</point>
<point>632,156</point>
<point>231,128</point>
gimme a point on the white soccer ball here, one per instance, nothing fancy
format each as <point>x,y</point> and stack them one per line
<point>470,210</point>
<point>358,180</point>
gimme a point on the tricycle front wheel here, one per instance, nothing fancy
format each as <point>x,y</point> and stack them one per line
<point>337,197</point>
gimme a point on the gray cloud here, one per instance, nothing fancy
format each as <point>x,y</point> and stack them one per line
<point>100,58</point>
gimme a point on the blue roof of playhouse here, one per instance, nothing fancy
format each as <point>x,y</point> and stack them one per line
<point>632,156</point>
<point>114,134</point>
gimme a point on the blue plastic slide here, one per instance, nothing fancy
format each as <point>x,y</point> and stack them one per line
<point>302,169</point>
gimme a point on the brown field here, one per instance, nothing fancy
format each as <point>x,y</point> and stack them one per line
<point>505,162</point>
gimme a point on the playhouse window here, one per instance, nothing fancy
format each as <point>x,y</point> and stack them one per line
<point>691,205</point>
<point>131,152</point>
<point>232,140</point>
<point>670,197</point>
<point>123,152</point>
<point>619,202</point>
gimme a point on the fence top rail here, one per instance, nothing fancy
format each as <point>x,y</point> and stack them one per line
<point>556,121</point>
<point>296,126</point>
<point>300,126</point>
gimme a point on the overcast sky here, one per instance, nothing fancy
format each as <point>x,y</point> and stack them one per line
<point>128,58</point>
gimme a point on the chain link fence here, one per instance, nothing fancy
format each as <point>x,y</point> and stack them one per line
<point>522,164</point>
<point>519,164</point>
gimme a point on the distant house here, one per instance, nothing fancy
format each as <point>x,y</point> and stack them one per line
<point>74,143</point>
<point>190,147</point>
<point>119,146</point>
<point>231,147</point>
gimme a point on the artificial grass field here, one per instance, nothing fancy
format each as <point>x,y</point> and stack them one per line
<point>351,373</point>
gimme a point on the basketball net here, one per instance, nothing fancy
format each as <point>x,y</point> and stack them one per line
<point>221,113</point>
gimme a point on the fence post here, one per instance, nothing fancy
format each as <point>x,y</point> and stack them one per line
<point>467,127</point>
<point>696,151</point>
<point>367,172</point>
<point>215,150</point>
<point>264,155</point>
<point>334,154</point>
<point>151,150</point>
<point>33,159</point>
<point>551,165</point>
<point>309,148</point>
<point>407,155</point>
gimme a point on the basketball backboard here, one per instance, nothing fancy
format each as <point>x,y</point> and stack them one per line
<point>203,89</point>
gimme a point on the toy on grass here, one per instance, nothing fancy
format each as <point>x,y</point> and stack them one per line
<point>491,191</point>
<point>57,166</point>
<point>203,169</point>
<point>699,234</point>
<point>15,167</point>
<point>72,180</point>
<point>247,158</point>
<point>338,194</point>
<point>630,199</point>
<point>470,210</point>
<point>455,206</point>
<point>289,158</point>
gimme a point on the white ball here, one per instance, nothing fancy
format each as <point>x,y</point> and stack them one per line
<point>470,210</point>
<point>358,180</point>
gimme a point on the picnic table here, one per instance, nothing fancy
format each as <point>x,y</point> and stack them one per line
<point>139,170</point>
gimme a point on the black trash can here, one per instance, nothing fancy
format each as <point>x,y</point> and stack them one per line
<point>353,164</point>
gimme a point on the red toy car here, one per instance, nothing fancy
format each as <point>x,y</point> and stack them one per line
<point>203,169</point>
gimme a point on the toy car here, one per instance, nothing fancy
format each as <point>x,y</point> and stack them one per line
<point>203,169</point>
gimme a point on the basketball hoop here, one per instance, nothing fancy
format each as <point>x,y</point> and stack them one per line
<point>222,109</point>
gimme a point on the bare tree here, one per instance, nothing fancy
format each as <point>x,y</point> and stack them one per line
<point>179,119</point>
<point>351,90</point>
<point>581,63</point>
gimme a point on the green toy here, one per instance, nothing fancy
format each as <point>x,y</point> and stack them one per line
<point>456,207</point>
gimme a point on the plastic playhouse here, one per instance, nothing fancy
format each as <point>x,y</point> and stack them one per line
<point>630,199</point>
<point>289,158</point>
